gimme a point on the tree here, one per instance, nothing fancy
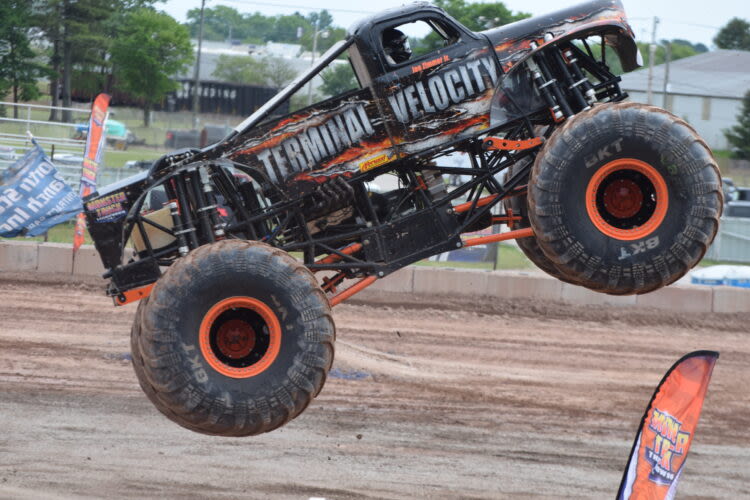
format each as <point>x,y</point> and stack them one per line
<point>699,48</point>
<point>19,71</point>
<point>338,79</point>
<point>246,70</point>
<point>735,35</point>
<point>285,28</point>
<point>239,69</point>
<point>739,135</point>
<point>480,16</point>
<point>475,16</point>
<point>151,48</point>
<point>679,51</point>
<point>222,23</point>
<point>219,23</point>
<point>80,35</point>
<point>278,72</point>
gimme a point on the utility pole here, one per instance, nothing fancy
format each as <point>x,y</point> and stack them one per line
<point>312,61</point>
<point>651,57</point>
<point>196,76</point>
<point>667,60</point>
<point>316,34</point>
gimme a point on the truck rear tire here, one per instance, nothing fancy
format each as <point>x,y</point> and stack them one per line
<point>625,198</point>
<point>518,206</point>
<point>236,339</point>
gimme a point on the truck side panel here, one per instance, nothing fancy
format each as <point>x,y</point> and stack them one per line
<point>339,136</point>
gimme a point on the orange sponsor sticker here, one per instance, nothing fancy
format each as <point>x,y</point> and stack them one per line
<point>429,64</point>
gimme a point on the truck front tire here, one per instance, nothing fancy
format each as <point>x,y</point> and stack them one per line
<point>625,198</point>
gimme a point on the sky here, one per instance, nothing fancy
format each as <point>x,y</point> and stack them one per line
<point>687,19</point>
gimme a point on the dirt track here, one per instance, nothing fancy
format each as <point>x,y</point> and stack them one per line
<point>511,402</point>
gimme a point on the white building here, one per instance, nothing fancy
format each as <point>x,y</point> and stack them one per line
<point>706,90</point>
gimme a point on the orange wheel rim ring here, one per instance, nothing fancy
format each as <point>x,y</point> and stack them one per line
<point>274,333</point>
<point>661,192</point>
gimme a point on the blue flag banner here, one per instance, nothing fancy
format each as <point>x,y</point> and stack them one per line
<point>34,197</point>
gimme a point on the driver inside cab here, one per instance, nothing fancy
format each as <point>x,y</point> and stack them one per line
<point>396,46</point>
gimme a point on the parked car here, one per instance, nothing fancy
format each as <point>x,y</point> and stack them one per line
<point>68,160</point>
<point>729,189</point>
<point>178,139</point>
<point>139,164</point>
<point>118,134</point>
<point>210,134</point>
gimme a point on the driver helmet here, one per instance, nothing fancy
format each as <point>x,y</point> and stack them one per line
<point>396,45</point>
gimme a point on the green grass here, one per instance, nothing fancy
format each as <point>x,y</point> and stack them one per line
<point>709,263</point>
<point>117,159</point>
<point>509,257</point>
<point>722,153</point>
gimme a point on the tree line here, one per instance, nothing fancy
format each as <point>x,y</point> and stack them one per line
<point>63,40</point>
<point>96,42</point>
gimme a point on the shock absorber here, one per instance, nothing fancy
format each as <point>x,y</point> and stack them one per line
<point>199,203</point>
<point>182,198</point>
<point>212,207</point>
<point>174,210</point>
<point>552,83</point>
<point>580,79</point>
<point>570,82</point>
<point>543,88</point>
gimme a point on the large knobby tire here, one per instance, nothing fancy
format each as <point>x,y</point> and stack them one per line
<point>625,198</point>
<point>236,339</point>
<point>518,206</point>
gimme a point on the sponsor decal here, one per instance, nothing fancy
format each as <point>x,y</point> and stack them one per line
<point>430,64</point>
<point>443,89</point>
<point>639,247</point>
<point>88,171</point>
<point>667,430</point>
<point>95,141</point>
<point>669,442</point>
<point>304,150</point>
<point>108,208</point>
<point>375,162</point>
<point>307,147</point>
<point>604,153</point>
<point>34,197</point>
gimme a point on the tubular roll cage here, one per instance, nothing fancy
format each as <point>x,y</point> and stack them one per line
<point>281,221</point>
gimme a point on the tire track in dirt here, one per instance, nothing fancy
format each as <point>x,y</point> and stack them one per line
<point>481,400</point>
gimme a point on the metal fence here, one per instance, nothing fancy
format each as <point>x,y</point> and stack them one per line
<point>732,244</point>
<point>56,138</point>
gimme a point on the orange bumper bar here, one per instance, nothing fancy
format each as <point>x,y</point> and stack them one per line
<point>494,238</point>
<point>133,295</point>
<point>356,288</point>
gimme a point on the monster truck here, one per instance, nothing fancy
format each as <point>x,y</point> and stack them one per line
<point>238,251</point>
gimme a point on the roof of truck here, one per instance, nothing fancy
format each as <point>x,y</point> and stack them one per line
<point>367,22</point>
